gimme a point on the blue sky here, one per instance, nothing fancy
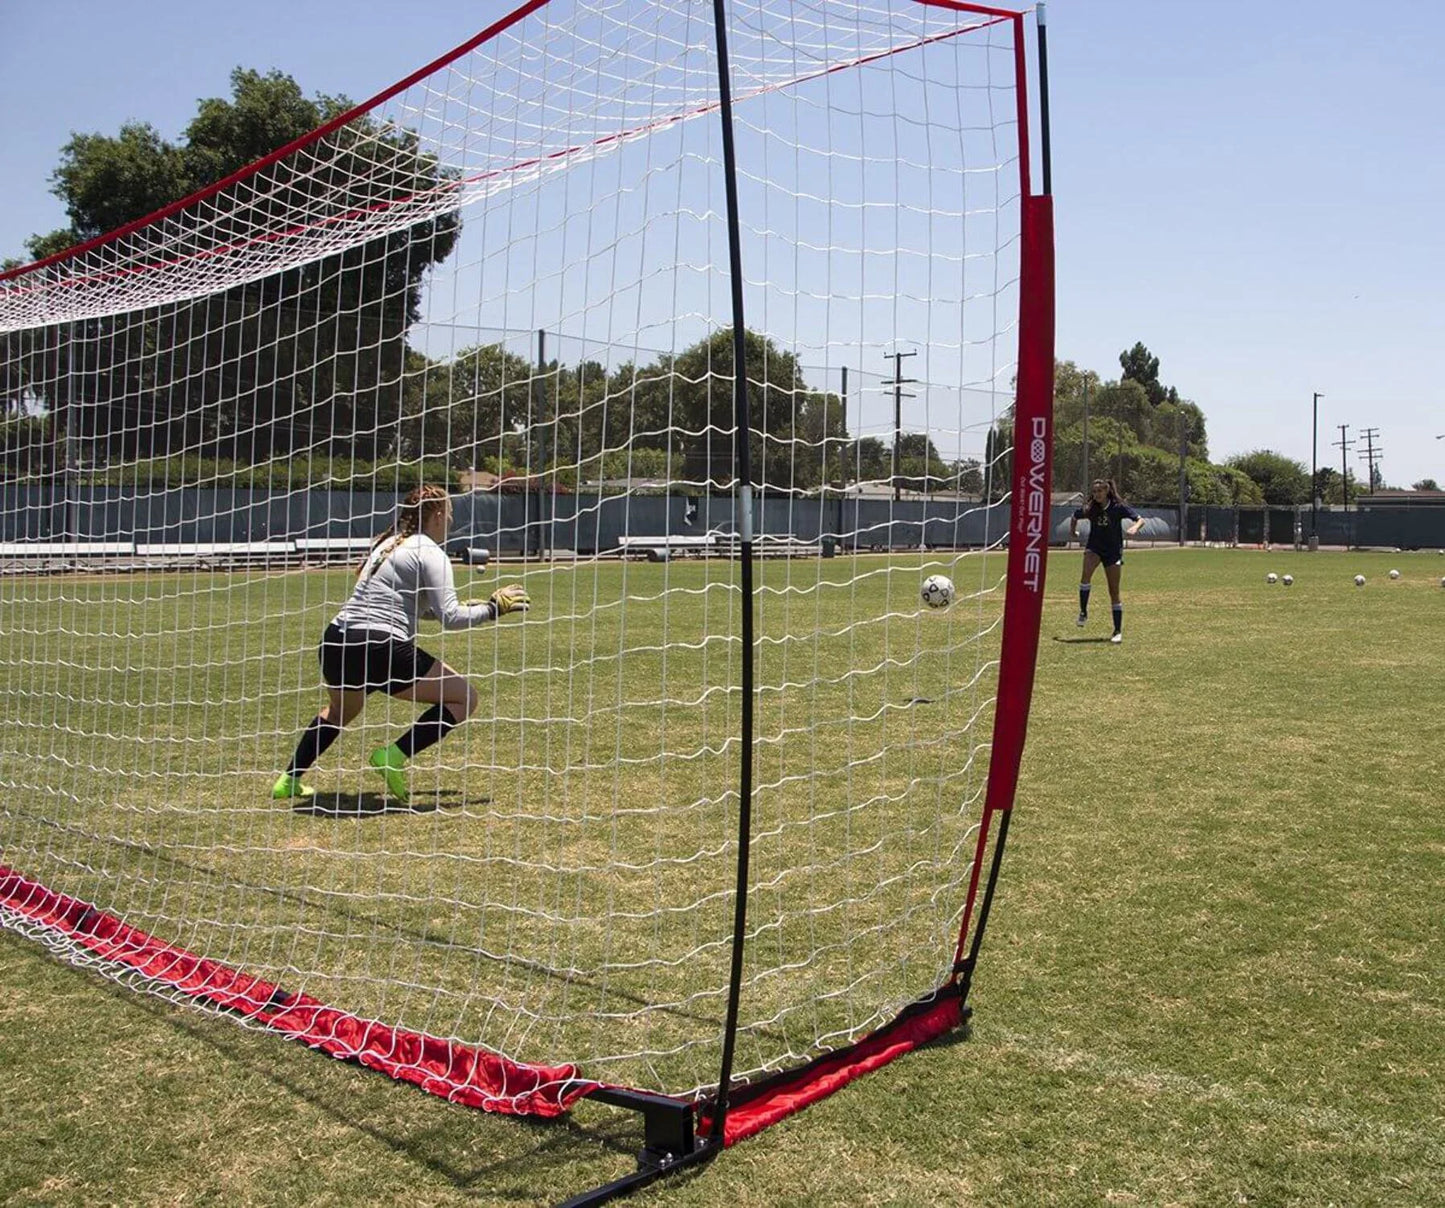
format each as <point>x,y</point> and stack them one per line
<point>1252,190</point>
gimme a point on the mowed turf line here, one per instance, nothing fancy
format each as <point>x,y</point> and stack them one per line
<point>1212,975</point>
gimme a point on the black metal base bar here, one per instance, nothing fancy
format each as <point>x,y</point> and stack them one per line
<point>670,1143</point>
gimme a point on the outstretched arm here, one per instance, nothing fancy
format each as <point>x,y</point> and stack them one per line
<point>438,595</point>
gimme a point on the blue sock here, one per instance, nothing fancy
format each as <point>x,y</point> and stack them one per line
<point>1083,597</point>
<point>1118,618</point>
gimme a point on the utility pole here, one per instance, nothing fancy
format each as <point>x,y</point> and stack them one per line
<point>1372,454</point>
<point>898,382</point>
<point>1344,445</point>
<point>1315,473</point>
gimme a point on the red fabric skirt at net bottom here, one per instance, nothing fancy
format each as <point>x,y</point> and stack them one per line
<point>755,1108</point>
<point>454,1071</point>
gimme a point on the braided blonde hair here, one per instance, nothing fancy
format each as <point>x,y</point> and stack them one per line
<point>411,516</point>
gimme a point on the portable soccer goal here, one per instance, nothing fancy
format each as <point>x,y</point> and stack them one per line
<point>727,326</point>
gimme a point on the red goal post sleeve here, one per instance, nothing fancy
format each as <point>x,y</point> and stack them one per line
<point>1028,527</point>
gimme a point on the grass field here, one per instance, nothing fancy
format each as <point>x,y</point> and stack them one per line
<point>1213,973</point>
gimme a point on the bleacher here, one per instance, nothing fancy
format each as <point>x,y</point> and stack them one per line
<point>662,547</point>
<point>175,555</point>
<point>31,555</point>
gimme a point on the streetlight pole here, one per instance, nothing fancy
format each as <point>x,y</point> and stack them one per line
<point>1315,474</point>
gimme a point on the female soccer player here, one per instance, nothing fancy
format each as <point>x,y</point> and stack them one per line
<point>371,643</point>
<point>1106,514</point>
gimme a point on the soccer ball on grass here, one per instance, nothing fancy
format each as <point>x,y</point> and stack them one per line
<point>1287,580</point>
<point>937,591</point>
<point>1271,577</point>
<point>1359,580</point>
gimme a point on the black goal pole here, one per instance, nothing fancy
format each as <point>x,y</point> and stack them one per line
<point>1046,175</point>
<point>742,422</point>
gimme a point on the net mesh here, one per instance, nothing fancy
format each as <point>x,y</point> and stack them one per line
<point>511,275</point>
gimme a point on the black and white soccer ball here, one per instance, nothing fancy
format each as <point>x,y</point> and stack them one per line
<point>937,591</point>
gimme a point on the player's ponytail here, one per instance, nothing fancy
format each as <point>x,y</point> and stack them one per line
<point>411,516</point>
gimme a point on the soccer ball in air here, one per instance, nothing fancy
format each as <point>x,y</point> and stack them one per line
<point>1287,580</point>
<point>1271,577</point>
<point>1394,574</point>
<point>1359,580</point>
<point>937,591</point>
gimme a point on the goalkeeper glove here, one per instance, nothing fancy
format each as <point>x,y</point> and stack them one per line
<point>512,598</point>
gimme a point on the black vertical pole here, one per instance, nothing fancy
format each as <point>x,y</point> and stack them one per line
<point>1047,172</point>
<point>742,421</point>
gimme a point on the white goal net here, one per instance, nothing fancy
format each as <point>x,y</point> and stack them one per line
<point>510,276</point>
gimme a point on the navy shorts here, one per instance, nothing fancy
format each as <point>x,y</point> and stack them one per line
<point>370,659</point>
<point>1104,558</point>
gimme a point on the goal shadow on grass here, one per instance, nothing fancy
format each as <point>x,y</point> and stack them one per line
<point>372,805</point>
<point>1102,641</point>
<point>506,1158</point>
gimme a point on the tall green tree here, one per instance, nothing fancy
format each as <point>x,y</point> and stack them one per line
<point>1282,481</point>
<point>701,389</point>
<point>309,358</point>
<point>1142,366</point>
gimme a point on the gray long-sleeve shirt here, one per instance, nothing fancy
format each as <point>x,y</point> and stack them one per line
<point>412,582</point>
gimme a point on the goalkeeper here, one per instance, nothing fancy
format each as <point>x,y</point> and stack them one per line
<point>371,646</point>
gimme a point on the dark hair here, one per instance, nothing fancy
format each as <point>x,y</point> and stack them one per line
<point>412,513</point>
<point>1094,507</point>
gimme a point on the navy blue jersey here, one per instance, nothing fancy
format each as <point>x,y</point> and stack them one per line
<point>1106,532</point>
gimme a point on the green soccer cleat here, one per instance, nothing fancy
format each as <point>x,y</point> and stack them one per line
<point>289,787</point>
<point>389,762</point>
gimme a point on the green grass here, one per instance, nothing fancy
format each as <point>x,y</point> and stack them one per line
<point>1212,975</point>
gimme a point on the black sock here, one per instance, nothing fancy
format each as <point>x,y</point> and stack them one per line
<point>1118,618</point>
<point>1083,597</point>
<point>430,728</point>
<point>319,735</point>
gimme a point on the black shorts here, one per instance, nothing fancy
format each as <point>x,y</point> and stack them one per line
<point>1106,557</point>
<point>370,659</point>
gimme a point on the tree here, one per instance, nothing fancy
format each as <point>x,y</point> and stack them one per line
<point>1170,417</point>
<point>966,476</point>
<point>312,357</point>
<point>1122,406</point>
<point>1333,489</point>
<point>920,467</point>
<point>700,382</point>
<point>869,460</point>
<point>998,458</point>
<point>1282,481</point>
<point>1425,484</point>
<point>469,410</point>
<point>1141,366</point>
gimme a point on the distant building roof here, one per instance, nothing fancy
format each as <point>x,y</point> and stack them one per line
<point>1396,497</point>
